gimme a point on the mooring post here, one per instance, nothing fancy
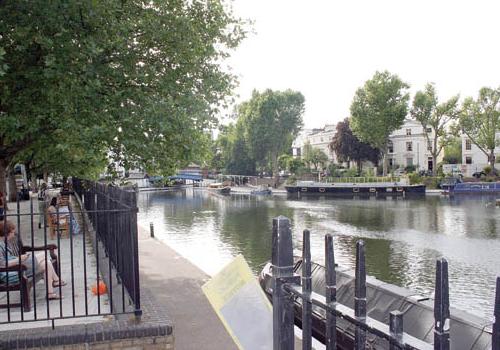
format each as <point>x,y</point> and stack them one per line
<point>495,343</point>
<point>360,295</point>
<point>441,307</point>
<point>282,261</point>
<point>151,230</point>
<point>396,329</point>
<point>330,294</point>
<point>306,291</point>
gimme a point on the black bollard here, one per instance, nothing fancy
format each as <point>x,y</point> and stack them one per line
<point>151,230</point>
<point>441,307</point>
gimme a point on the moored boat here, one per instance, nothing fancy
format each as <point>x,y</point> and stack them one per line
<point>219,188</point>
<point>475,187</point>
<point>262,190</point>
<point>367,188</point>
<point>466,330</point>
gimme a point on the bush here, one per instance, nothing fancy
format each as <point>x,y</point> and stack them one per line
<point>414,178</point>
<point>487,169</point>
<point>292,180</point>
<point>410,168</point>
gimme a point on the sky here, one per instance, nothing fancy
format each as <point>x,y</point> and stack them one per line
<point>328,49</point>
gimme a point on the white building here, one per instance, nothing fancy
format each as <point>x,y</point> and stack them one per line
<point>317,138</point>
<point>408,146</point>
<point>473,159</point>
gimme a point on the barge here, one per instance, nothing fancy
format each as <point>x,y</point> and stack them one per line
<point>467,331</point>
<point>475,188</point>
<point>349,189</point>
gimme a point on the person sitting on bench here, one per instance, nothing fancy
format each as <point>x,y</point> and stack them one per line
<point>7,232</point>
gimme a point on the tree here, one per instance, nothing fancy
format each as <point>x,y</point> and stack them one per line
<point>379,108</point>
<point>436,117</point>
<point>314,157</point>
<point>347,147</point>
<point>234,150</point>
<point>480,121</point>
<point>137,82</point>
<point>272,119</point>
<point>453,151</point>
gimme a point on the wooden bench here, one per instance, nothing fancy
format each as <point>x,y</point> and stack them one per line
<point>25,283</point>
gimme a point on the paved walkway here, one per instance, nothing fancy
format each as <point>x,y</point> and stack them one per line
<point>76,283</point>
<point>176,283</point>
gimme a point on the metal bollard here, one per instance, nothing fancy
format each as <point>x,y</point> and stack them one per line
<point>151,230</point>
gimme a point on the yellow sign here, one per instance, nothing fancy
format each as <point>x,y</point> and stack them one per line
<point>242,306</point>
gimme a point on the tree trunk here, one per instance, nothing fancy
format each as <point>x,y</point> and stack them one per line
<point>384,164</point>
<point>3,180</point>
<point>360,166</point>
<point>276,172</point>
<point>434,165</point>
<point>12,185</point>
<point>491,160</point>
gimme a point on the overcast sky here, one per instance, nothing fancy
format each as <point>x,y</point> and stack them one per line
<point>327,49</point>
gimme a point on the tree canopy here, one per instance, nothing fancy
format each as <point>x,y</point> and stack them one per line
<point>480,121</point>
<point>347,146</point>
<point>314,157</point>
<point>379,108</point>
<point>435,116</point>
<point>138,82</point>
<point>272,119</point>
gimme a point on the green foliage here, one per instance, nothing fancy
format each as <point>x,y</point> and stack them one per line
<point>233,152</point>
<point>480,121</point>
<point>271,120</point>
<point>347,146</point>
<point>296,166</point>
<point>314,157</point>
<point>379,108</point>
<point>410,168</point>
<point>453,151</point>
<point>140,83</point>
<point>435,116</point>
<point>488,169</point>
<point>414,178</point>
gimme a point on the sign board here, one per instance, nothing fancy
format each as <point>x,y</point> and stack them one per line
<point>242,306</point>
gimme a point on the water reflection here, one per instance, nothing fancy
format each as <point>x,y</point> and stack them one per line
<point>403,237</point>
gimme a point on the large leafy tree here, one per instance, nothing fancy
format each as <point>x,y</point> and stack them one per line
<point>314,157</point>
<point>135,81</point>
<point>233,150</point>
<point>348,148</point>
<point>435,116</point>
<point>480,121</point>
<point>272,119</point>
<point>379,108</point>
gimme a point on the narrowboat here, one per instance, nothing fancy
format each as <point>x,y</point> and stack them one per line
<point>303,188</point>
<point>475,188</point>
<point>219,188</point>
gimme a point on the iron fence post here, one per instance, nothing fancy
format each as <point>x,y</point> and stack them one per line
<point>306,291</point>
<point>396,329</point>
<point>282,268</point>
<point>360,295</point>
<point>330,294</point>
<point>496,325</point>
<point>441,307</point>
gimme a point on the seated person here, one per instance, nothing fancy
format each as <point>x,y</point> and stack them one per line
<point>33,264</point>
<point>64,214</point>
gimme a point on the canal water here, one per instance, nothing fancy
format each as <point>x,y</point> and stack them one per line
<point>404,237</point>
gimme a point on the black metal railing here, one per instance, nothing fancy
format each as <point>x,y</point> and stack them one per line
<point>91,245</point>
<point>286,287</point>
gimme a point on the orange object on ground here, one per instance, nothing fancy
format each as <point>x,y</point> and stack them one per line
<point>99,288</point>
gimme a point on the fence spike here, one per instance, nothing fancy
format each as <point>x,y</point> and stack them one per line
<point>360,295</point>
<point>306,290</point>
<point>330,294</point>
<point>441,307</point>
<point>282,261</point>
<point>496,325</point>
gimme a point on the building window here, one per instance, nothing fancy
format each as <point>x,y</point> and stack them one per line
<point>429,145</point>
<point>409,146</point>
<point>409,161</point>
<point>391,162</point>
<point>321,139</point>
<point>468,160</point>
<point>408,132</point>
<point>468,145</point>
<point>390,146</point>
<point>428,130</point>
